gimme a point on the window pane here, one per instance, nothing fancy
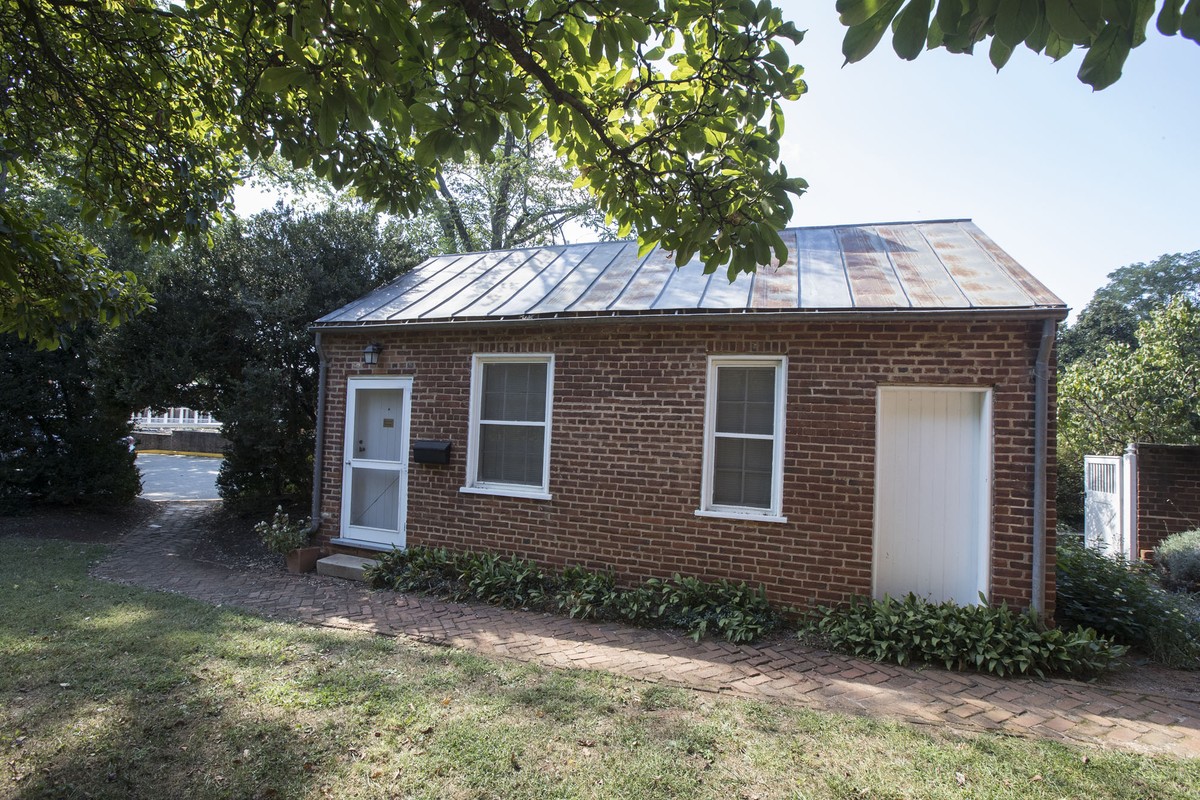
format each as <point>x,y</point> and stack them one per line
<point>742,472</point>
<point>375,498</point>
<point>746,400</point>
<point>514,392</point>
<point>511,454</point>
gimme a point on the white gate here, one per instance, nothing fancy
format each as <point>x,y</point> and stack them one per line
<point>1108,504</point>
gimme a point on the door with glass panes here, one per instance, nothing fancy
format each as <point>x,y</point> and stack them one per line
<point>375,478</point>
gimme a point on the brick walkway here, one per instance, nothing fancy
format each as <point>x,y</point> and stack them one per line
<point>159,558</point>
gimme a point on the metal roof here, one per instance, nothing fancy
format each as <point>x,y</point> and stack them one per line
<point>939,266</point>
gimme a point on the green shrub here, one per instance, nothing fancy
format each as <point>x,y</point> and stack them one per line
<point>1178,561</point>
<point>1122,601</point>
<point>733,611</point>
<point>979,638</point>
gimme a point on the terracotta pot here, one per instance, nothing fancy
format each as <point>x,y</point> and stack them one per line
<point>302,559</point>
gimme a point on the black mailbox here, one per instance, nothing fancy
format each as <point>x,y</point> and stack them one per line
<point>427,452</point>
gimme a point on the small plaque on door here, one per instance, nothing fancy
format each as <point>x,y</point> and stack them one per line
<point>389,423</point>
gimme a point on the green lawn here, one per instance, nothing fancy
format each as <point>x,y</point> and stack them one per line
<point>107,691</point>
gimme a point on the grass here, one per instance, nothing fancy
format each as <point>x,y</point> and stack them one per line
<point>108,691</point>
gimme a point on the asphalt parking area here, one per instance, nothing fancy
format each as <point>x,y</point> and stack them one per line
<point>170,477</point>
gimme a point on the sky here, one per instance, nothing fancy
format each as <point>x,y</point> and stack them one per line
<point>1072,183</point>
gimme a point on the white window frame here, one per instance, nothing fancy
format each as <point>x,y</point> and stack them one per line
<point>707,507</point>
<point>472,484</point>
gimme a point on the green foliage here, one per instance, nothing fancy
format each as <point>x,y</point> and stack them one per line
<point>670,109</point>
<point>282,535</point>
<point>1131,295</point>
<point>57,443</point>
<point>1109,399</point>
<point>977,638</point>
<point>1108,30</point>
<point>519,196</point>
<point>52,279</point>
<point>230,335</point>
<point>1178,560</point>
<point>1150,393</point>
<point>733,611</point>
<point>1121,601</point>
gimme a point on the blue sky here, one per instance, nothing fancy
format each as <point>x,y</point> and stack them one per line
<point>1072,183</point>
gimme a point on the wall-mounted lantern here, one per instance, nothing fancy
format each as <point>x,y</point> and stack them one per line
<point>371,354</point>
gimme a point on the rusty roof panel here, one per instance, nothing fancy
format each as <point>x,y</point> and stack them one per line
<point>922,266</point>
<point>647,283</point>
<point>978,276</point>
<point>926,282</point>
<point>873,280</point>
<point>1028,284</point>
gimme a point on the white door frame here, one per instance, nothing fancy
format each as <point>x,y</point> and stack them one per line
<point>347,535</point>
<point>984,530</point>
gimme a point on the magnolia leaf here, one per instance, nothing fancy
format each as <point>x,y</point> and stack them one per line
<point>1170,17</point>
<point>856,12</point>
<point>1015,20</point>
<point>1189,23</point>
<point>1102,65</point>
<point>1075,20</point>
<point>999,53</point>
<point>910,29</point>
<point>274,79</point>
<point>861,39</point>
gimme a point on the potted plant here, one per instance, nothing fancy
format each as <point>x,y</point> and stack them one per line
<point>289,539</point>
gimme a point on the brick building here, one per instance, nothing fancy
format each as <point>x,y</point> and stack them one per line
<point>863,419</point>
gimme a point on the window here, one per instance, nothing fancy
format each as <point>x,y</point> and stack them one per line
<point>509,447</point>
<point>743,438</point>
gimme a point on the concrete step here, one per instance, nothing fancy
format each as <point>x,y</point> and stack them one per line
<point>340,565</point>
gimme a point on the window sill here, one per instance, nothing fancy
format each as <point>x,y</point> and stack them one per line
<point>748,516</point>
<point>503,491</point>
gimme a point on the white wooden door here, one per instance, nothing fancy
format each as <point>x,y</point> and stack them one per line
<point>375,477</point>
<point>932,493</point>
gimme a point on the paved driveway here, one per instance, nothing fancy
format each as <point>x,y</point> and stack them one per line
<point>166,477</point>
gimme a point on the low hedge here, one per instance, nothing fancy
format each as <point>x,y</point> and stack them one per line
<point>1123,601</point>
<point>982,638</point>
<point>732,611</point>
<point>1178,561</point>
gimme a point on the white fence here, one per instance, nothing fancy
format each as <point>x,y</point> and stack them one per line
<point>1110,503</point>
<point>174,417</point>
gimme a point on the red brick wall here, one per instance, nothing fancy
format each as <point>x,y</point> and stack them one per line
<point>1168,491</point>
<point>628,437</point>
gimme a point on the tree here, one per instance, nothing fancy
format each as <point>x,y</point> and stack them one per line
<point>148,113</point>
<point>518,197</point>
<point>1109,29</point>
<point>1131,295</point>
<point>57,443</point>
<point>1146,392</point>
<point>230,334</point>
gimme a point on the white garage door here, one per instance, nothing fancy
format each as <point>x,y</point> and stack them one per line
<point>933,493</point>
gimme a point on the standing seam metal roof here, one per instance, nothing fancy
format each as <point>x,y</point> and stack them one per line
<point>945,265</point>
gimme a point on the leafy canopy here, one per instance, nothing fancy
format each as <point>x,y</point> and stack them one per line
<point>1150,393</point>
<point>670,109</point>
<point>1131,295</point>
<point>1109,29</point>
